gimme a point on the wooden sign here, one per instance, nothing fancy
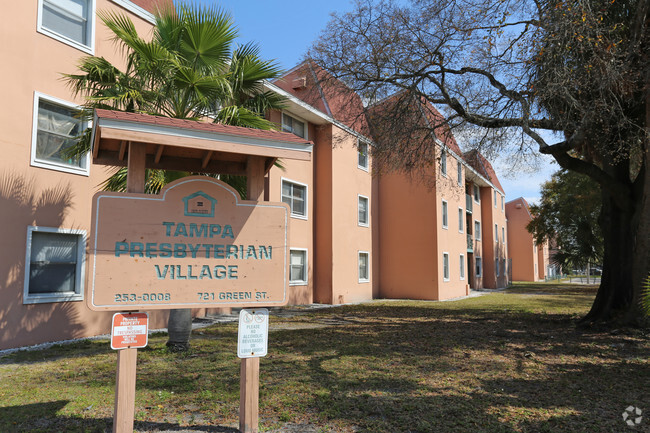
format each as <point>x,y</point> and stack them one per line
<point>196,244</point>
<point>129,330</point>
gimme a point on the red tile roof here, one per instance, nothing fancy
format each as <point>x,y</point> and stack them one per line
<point>483,167</point>
<point>312,84</point>
<point>198,125</point>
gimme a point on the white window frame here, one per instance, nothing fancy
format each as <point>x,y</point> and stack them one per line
<point>367,254</point>
<point>43,163</point>
<point>495,198</point>
<point>366,146</point>
<point>462,267</point>
<point>306,268</point>
<point>496,233</point>
<point>445,214</point>
<point>503,235</point>
<point>477,230</point>
<point>461,220</point>
<point>503,206</point>
<point>41,298</point>
<point>479,269</point>
<point>359,222</point>
<point>293,116</point>
<point>443,162</point>
<point>90,23</point>
<point>445,256</point>
<point>295,215</point>
<point>136,10</point>
<point>459,166</point>
<point>476,193</point>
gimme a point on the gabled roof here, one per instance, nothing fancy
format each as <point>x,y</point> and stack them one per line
<point>483,167</point>
<point>315,86</point>
<point>522,204</point>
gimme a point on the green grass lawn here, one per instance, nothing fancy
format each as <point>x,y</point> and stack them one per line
<point>505,362</point>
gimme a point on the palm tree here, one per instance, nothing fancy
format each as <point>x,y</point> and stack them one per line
<point>188,70</point>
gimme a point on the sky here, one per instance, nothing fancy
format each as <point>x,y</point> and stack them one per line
<point>285,29</point>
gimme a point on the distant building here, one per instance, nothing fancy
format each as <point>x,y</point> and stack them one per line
<point>530,261</point>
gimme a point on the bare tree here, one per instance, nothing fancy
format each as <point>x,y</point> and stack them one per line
<point>518,72</point>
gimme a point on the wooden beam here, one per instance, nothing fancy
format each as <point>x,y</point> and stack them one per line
<point>255,178</point>
<point>178,163</point>
<point>123,144</point>
<point>199,143</point>
<point>206,158</point>
<point>249,395</point>
<point>95,143</point>
<point>125,391</point>
<point>159,152</point>
<point>268,165</point>
<point>135,175</point>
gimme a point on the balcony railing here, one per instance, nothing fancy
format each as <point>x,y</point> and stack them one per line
<point>468,203</point>
<point>470,243</point>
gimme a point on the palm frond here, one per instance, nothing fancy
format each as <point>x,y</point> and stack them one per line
<point>240,116</point>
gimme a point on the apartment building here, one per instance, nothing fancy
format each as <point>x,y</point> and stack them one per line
<point>354,236</point>
<point>530,261</point>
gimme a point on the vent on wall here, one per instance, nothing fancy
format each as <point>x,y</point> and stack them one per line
<point>299,83</point>
<point>518,206</point>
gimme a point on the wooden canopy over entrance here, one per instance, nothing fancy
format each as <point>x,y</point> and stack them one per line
<point>140,141</point>
<point>187,145</point>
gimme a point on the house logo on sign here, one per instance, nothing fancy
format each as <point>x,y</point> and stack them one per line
<point>199,204</point>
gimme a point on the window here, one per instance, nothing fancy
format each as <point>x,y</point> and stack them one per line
<point>364,274</point>
<point>362,155</point>
<point>477,230</point>
<point>461,218</point>
<point>445,215</point>
<point>298,272</point>
<point>54,265</point>
<point>445,266</point>
<point>460,172</point>
<point>462,266</point>
<point>68,21</point>
<point>293,125</point>
<point>496,267</point>
<point>496,233</point>
<point>478,267</point>
<point>443,163</point>
<point>503,207</point>
<point>295,195</point>
<point>477,194</point>
<point>363,211</point>
<point>55,129</point>
<point>503,235</point>
<point>495,199</point>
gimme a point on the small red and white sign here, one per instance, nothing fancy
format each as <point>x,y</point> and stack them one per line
<point>130,330</point>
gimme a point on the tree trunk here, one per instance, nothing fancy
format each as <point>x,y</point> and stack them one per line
<point>179,327</point>
<point>626,233</point>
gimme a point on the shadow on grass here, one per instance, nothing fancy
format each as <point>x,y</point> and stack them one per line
<point>394,368</point>
<point>43,417</point>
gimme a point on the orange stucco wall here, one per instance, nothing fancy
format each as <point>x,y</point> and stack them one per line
<point>38,196</point>
<point>300,229</point>
<point>521,247</point>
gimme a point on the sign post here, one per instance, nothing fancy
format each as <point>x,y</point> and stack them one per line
<point>194,245</point>
<point>252,343</point>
